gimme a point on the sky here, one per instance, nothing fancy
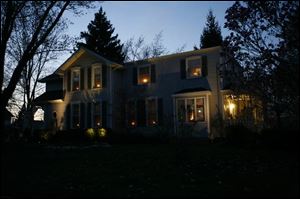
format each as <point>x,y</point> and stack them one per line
<point>181,22</point>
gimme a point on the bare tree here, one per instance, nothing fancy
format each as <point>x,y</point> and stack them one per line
<point>42,17</point>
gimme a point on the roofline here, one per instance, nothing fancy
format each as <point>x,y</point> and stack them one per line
<point>204,50</point>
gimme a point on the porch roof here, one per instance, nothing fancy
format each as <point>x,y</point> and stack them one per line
<point>49,95</point>
<point>189,90</point>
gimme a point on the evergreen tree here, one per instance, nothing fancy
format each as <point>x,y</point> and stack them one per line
<point>211,35</point>
<point>99,38</point>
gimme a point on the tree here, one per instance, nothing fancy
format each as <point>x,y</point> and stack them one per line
<point>42,17</point>
<point>265,41</point>
<point>99,38</point>
<point>211,35</point>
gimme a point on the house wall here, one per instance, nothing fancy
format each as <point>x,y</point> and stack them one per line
<point>54,85</point>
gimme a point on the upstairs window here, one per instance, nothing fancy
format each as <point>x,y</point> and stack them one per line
<point>75,79</point>
<point>151,112</point>
<point>144,75</point>
<point>193,66</point>
<point>97,77</point>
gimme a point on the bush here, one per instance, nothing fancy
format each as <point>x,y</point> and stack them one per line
<point>239,135</point>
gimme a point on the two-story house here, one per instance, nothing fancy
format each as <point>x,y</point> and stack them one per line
<point>182,89</point>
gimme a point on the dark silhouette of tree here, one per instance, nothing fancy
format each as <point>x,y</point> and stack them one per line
<point>211,35</point>
<point>42,17</point>
<point>99,38</point>
<point>265,41</point>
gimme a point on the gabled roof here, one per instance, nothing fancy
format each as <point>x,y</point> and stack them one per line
<point>50,95</point>
<point>77,54</point>
<point>53,76</point>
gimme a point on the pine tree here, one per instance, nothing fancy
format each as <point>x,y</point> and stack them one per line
<point>211,35</point>
<point>99,38</point>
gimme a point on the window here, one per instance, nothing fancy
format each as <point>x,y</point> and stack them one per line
<point>75,79</point>
<point>151,112</point>
<point>190,109</point>
<point>75,116</point>
<point>97,114</point>
<point>193,65</point>
<point>144,75</point>
<point>131,113</point>
<point>96,76</point>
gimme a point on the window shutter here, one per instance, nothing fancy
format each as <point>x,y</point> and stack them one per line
<point>82,78</point>
<point>104,75</point>
<point>89,112</point>
<point>134,76</point>
<point>68,117</point>
<point>160,111</point>
<point>89,77</point>
<point>69,80</point>
<point>182,69</point>
<point>153,74</point>
<point>82,115</point>
<point>204,65</point>
<point>141,113</point>
<point>104,114</point>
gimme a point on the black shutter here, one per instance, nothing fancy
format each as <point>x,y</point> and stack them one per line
<point>153,74</point>
<point>182,69</point>
<point>160,112</point>
<point>82,115</point>
<point>104,75</point>
<point>89,118</point>
<point>134,76</point>
<point>68,80</point>
<point>204,65</point>
<point>82,78</point>
<point>68,117</point>
<point>89,77</point>
<point>104,114</point>
<point>141,112</point>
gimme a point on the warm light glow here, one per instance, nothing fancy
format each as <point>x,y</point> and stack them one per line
<point>145,80</point>
<point>98,85</point>
<point>98,123</point>
<point>196,72</point>
<point>133,123</point>
<point>77,88</point>
<point>192,117</point>
<point>231,107</point>
<point>153,122</point>
<point>77,124</point>
<point>199,111</point>
<point>102,132</point>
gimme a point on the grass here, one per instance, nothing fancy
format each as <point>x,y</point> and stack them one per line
<point>148,170</point>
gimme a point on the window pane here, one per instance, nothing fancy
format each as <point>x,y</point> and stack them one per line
<point>75,80</point>
<point>181,110</point>
<point>75,116</point>
<point>97,114</point>
<point>144,75</point>
<point>200,109</point>
<point>97,77</point>
<point>194,68</point>
<point>151,112</point>
<point>191,109</point>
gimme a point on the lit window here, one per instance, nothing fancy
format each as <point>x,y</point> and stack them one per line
<point>75,116</point>
<point>190,109</point>
<point>131,112</point>
<point>97,77</point>
<point>151,112</point>
<point>200,109</point>
<point>97,114</point>
<point>193,67</point>
<point>144,75</point>
<point>75,79</point>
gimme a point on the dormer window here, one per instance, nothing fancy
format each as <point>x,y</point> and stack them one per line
<point>144,75</point>
<point>75,79</point>
<point>193,65</point>
<point>96,76</point>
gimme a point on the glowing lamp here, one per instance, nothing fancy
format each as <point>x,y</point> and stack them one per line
<point>145,80</point>
<point>98,123</point>
<point>231,107</point>
<point>77,124</point>
<point>77,88</point>
<point>132,123</point>
<point>153,122</point>
<point>98,85</point>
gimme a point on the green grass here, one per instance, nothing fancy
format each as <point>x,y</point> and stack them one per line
<point>149,170</point>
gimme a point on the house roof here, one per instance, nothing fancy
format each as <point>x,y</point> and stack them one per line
<point>77,54</point>
<point>189,90</point>
<point>53,76</point>
<point>50,95</point>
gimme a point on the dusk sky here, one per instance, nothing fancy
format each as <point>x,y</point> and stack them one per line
<point>181,22</point>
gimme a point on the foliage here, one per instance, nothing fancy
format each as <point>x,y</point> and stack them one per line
<point>239,135</point>
<point>211,35</point>
<point>100,38</point>
<point>265,42</point>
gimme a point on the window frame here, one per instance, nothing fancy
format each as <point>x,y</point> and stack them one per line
<point>95,66</point>
<point>187,67</point>
<point>72,78</point>
<point>93,114</point>
<point>156,111</point>
<point>131,121</point>
<point>185,99</point>
<point>138,74</point>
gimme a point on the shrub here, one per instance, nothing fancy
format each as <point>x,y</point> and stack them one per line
<point>239,135</point>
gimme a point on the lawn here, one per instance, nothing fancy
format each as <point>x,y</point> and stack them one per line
<point>148,170</point>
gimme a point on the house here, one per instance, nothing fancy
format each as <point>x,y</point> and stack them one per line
<point>178,90</point>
